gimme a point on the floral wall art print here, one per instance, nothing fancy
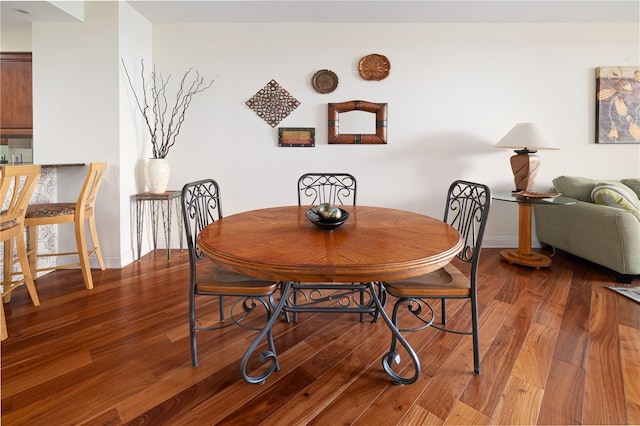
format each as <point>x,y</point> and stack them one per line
<point>618,104</point>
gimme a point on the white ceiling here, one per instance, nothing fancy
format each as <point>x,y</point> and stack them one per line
<point>388,11</point>
<point>15,14</point>
<point>21,13</point>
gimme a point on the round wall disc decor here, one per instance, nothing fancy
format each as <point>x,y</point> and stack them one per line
<point>324,81</point>
<point>374,67</point>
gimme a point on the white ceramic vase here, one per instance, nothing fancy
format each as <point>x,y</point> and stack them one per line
<point>156,173</point>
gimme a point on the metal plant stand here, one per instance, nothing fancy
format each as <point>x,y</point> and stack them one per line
<point>165,202</point>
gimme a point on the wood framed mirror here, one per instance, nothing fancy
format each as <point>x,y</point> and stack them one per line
<point>378,128</point>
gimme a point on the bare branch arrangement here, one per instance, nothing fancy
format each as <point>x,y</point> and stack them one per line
<point>164,124</point>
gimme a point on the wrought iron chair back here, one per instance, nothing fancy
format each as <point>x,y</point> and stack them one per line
<point>332,188</point>
<point>466,210</point>
<point>200,206</point>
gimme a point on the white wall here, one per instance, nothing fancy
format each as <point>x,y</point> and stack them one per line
<point>134,42</point>
<point>16,40</point>
<point>453,92</point>
<point>76,115</point>
<point>82,113</point>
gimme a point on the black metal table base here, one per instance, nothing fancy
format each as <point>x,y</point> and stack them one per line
<point>271,357</point>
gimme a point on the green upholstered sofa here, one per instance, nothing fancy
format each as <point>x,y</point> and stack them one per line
<point>603,226</point>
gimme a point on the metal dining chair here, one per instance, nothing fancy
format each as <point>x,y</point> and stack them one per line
<point>201,205</point>
<point>467,210</point>
<point>337,189</point>
<point>17,184</point>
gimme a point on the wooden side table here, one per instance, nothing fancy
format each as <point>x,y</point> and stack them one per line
<point>165,202</point>
<point>523,254</point>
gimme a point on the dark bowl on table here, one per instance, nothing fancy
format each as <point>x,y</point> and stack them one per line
<point>327,224</point>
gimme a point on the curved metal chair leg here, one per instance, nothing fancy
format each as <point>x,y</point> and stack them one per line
<point>192,330</point>
<point>392,356</point>
<point>271,353</point>
<point>221,308</point>
<point>285,313</point>
<point>444,311</point>
<point>476,336</point>
<point>382,295</point>
<point>295,303</point>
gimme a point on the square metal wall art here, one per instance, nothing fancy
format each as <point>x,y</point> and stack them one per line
<point>618,104</point>
<point>273,103</point>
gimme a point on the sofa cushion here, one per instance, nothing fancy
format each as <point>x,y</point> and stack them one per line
<point>619,196</point>
<point>575,187</point>
<point>633,184</point>
<point>622,188</point>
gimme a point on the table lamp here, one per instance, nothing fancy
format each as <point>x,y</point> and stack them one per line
<point>526,139</point>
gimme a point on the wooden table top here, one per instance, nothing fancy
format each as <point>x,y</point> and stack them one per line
<point>375,244</point>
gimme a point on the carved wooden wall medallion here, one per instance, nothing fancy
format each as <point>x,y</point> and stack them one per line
<point>324,81</point>
<point>374,67</point>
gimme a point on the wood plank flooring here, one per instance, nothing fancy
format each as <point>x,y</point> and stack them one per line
<point>557,347</point>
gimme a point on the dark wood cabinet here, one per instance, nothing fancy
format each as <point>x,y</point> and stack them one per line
<point>16,94</point>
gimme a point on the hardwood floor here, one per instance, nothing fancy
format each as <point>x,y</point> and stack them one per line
<point>557,348</point>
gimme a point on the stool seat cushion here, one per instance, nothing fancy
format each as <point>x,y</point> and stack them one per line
<point>7,224</point>
<point>50,209</point>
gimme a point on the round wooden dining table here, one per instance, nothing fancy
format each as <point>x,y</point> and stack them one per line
<point>374,245</point>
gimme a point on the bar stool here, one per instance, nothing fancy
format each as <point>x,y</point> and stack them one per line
<point>76,213</point>
<point>16,188</point>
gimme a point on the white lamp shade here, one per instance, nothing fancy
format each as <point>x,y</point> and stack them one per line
<point>525,136</point>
